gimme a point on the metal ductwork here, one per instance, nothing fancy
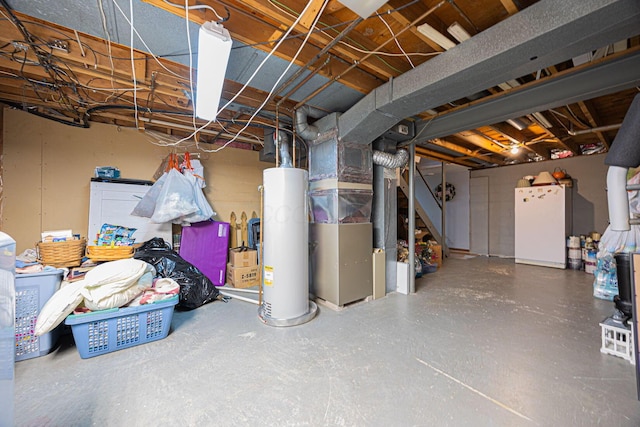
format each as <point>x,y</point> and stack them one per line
<point>519,45</point>
<point>285,157</point>
<point>303,128</point>
<point>623,154</point>
<point>391,161</point>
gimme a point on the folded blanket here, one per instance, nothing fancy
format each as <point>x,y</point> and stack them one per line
<point>108,285</point>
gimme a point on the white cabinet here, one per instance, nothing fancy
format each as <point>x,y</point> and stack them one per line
<point>112,201</point>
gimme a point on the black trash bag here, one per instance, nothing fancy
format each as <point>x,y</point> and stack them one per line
<point>195,288</point>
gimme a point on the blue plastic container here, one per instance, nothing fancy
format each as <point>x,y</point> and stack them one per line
<point>32,292</point>
<point>105,331</point>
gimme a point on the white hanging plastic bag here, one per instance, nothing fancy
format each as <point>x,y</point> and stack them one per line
<point>176,198</point>
<point>204,211</point>
<point>198,172</point>
<point>147,205</point>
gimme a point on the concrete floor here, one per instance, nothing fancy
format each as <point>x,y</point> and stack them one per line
<point>483,342</point>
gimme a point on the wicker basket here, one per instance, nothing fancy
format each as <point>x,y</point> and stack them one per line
<point>109,253</point>
<point>61,254</point>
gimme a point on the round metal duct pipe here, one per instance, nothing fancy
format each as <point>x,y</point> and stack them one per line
<point>303,128</point>
<point>391,161</point>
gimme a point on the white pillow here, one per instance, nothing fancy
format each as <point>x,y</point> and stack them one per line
<point>120,297</point>
<point>59,306</point>
<point>110,278</point>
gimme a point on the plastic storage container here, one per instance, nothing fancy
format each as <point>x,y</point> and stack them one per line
<point>105,331</point>
<point>32,292</point>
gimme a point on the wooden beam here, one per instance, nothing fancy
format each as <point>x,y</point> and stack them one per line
<point>517,137</point>
<point>489,158</point>
<point>424,152</point>
<point>509,6</point>
<point>93,77</point>
<point>404,21</point>
<point>591,114</point>
<point>262,20</point>
<point>311,14</point>
<point>481,142</point>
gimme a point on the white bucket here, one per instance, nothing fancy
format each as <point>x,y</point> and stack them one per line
<point>573,242</point>
<point>574,264</point>
<point>575,253</point>
<point>590,267</point>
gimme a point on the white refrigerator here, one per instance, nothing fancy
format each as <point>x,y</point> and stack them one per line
<point>542,223</point>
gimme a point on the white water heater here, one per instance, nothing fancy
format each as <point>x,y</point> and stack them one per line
<point>285,239</point>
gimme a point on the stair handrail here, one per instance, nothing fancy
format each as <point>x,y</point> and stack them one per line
<point>429,188</point>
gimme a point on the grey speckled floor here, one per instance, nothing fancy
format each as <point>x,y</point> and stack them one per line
<point>483,342</point>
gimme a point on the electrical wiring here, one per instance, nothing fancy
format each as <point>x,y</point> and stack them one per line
<point>155,57</point>
<point>133,65</point>
<point>60,78</point>
<point>264,60</point>
<point>81,123</point>
<point>193,104</point>
<point>202,6</point>
<point>291,62</point>
<point>172,113</point>
<point>558,114</point>
<point>396,40</point>
<point>282,7</point>
<point>394,54</point>
<point>106,32</point>
<point>586,126</point>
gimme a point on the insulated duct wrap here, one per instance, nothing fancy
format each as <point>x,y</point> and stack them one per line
<point>624,151</point>
<point>391,161</point>
<point>283,141</point>
<point>623,154</point>
<point>303,128</point>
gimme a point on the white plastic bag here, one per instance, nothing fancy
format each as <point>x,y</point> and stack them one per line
<point>204,211</point>
<point>147,205</point>
<point>619,241</point>
<point>176,198</point>
<point>198,172</point>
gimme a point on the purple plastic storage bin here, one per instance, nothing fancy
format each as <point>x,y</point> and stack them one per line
<point>206,245</point>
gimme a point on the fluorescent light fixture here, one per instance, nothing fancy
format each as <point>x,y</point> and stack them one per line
<point>458,32</point>
<point>435,35</point>
<point>517,123</point>
<point>214,48</point>
<point>364,8</point>
<point>542,120</point>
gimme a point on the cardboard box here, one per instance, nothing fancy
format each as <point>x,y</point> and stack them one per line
<point>243,277</point>
<point>246,258</point>
<point>436,255</point>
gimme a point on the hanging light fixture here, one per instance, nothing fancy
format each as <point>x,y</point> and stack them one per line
<point>214,48</point>
<point>514,149</point>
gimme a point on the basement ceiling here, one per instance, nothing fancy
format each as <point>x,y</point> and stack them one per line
<point>485,82</point>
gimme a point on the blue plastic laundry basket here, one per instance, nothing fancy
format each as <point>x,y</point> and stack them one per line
<point>105,331</point>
